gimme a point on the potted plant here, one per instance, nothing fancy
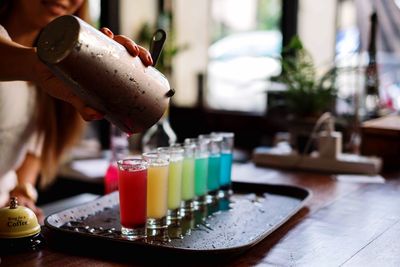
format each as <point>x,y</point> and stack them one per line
<point>170,50</point>
<point>307,96</point>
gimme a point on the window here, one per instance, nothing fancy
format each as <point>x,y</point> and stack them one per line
<point>246,43</point>
<point>94,11</point>
<point>353,33</point>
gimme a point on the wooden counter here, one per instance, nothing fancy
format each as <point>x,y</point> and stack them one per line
<point>381,137</point>
<point>344,223</point>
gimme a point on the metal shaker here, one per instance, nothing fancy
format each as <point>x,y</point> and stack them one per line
<point>103,74</point>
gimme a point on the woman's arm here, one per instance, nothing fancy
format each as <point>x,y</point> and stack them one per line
<point>17,61</point>
<point>21,63</point>
<point>25,190</point>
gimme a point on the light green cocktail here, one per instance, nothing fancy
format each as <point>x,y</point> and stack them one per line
<point>174,184</point>
<point>188,179</point>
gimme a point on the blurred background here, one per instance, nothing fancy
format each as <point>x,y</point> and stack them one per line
<point>223,56</point>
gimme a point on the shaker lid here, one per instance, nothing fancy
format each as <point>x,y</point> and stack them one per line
<point>58,38</point>
<point>17,221</point>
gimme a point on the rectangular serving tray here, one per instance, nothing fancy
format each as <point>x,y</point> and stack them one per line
<point>224,227</point>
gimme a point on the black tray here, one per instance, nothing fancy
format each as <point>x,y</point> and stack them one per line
<point>226,226</point>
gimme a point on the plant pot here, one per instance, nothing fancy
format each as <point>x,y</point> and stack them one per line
<point>300,129</point>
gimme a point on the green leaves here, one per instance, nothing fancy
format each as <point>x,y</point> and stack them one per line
<point>306,94</point>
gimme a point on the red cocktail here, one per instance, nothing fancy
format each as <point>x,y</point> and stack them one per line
<point>132,176</point>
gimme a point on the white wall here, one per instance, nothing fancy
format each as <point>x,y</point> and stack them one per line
<point>316,28</point>
<point>191,29</point>
<point>134,14</point>
<point>191,24</point>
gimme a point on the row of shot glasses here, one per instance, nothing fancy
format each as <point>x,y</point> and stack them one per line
<point>163,185</point>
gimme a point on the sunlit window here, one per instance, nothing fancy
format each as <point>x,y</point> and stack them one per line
<point>94,11</point>
<point>353,35</point>
<point>244,53</point>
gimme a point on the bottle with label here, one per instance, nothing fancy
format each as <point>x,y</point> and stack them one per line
<point>160,134</point>
<point>372,100</point>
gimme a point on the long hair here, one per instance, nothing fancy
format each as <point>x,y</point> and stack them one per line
<point>56,120</point>
<point>62,127</point>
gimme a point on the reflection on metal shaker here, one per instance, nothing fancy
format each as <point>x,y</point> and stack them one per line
<point>103,74</point>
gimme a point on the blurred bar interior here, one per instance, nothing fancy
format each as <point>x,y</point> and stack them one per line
<point>223,58</point>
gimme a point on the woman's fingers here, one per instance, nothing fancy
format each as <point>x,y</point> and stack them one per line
<point>133,49</point>
<point>130,45</point>
<point>57,89</point>
<point>145,56</point>
<point>89,114</point>
<point>26,202</point>
<point>107,32</point>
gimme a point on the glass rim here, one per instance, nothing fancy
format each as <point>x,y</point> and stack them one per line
<point>127,164</point>
<point>211,137</point>
<point>224,134</point>
<point>192,140</point>
<point>171,149</point>
<point>154,158</point>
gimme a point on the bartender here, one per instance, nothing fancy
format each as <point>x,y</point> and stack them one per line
<point>40,117</point>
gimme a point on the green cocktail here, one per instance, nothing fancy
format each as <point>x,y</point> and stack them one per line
<point>175,154</point>
<point>188,195</point>
<point>200,176</point>
<point>188,179</point>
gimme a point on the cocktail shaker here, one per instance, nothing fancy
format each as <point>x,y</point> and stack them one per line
<point>103,74</point>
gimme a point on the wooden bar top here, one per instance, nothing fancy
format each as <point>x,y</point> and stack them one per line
<point>345,223</point>
<point>388,124</point>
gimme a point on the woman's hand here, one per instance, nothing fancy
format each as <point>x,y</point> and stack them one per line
<point>133,49</point>
<point>58,89</point>
<point>21,63</point>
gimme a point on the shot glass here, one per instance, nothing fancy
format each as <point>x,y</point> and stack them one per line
<point>200,169</point>
<point>175,153</point>
<point>132,179</point>
<point>187,224</point>
<point>188,195</point>
<point>157,189</point>
<point>226,162</point>
<point>214,165</point>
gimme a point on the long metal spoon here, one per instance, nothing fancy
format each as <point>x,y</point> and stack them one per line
<point>157,44</point>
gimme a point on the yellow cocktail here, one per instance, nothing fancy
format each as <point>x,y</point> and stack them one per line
<point>157,185</point>
<point>157,189</point>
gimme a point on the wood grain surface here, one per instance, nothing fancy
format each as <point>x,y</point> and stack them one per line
<point>343,224</point>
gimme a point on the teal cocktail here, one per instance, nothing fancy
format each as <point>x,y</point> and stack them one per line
<point>214,172</point>
<point>226,169</point>
<point>226,162</point>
